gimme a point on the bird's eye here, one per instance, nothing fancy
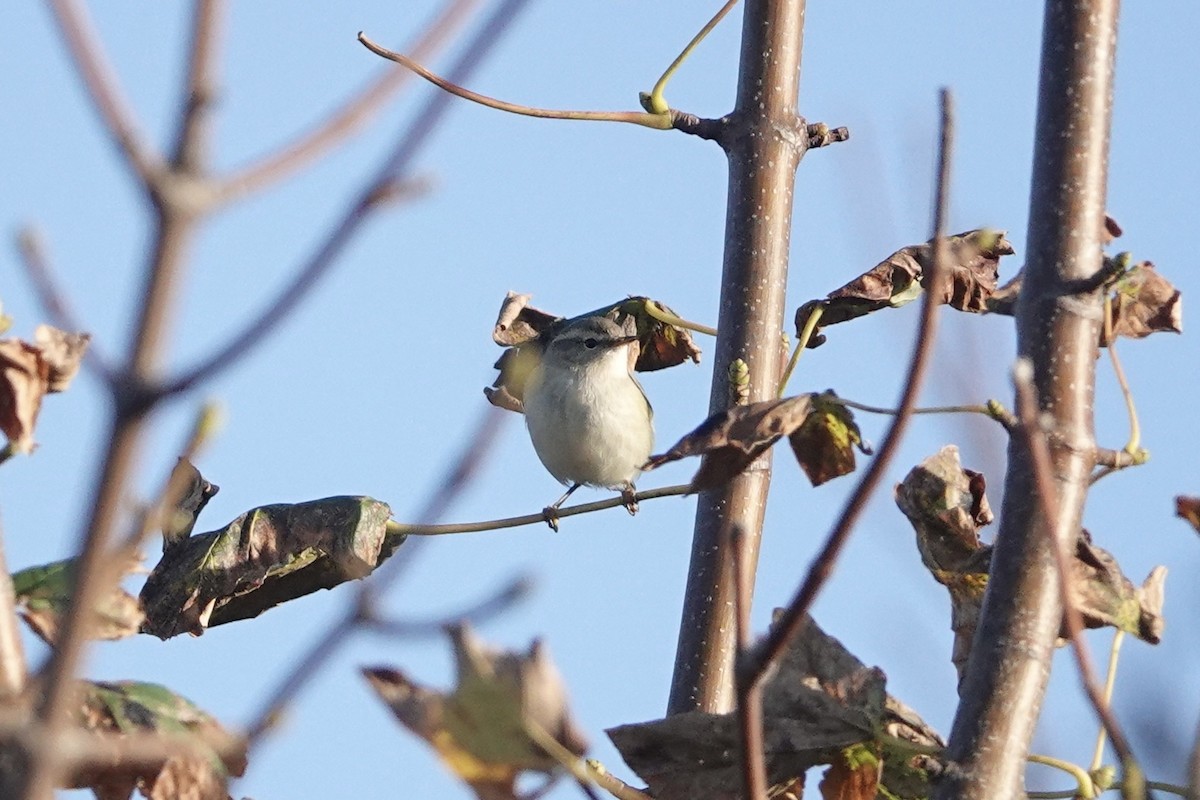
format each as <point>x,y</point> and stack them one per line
<point>590,343</point>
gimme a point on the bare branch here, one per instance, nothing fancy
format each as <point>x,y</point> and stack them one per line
<point>481,611</point>
<point>320,262</point>
<point>349,117</point>
<point>36,262</point>
<point>400,528</point>
<point>786,627</point>
<point>643,118</point>
<point>200,90</point>
<point>104,89</point>
<point>1039,455</point>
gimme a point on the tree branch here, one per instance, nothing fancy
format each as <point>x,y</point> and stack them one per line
<point>348,118</point>
<point>764,140</point>
<point>1058,329</point>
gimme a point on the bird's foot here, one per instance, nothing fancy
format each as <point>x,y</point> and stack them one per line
<point>629,498</point>
<point>550,514</point>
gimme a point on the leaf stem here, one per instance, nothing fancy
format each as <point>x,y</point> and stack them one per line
<point>810,326</point>
<point>654,102</point>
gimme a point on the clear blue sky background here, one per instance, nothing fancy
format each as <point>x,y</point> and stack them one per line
<point>372,386</point>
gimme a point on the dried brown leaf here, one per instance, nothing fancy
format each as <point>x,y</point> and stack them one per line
<point>1188,508</point>
<point>946,506</point>
<point>732,439</point>
<point>1144,302</point>
<point>661,344</point>
<point>208,754</point>
<point>43,596</point>
<point>518,322</point>
<point>1107,598</point>
<point>24,381</point>
<point>824,444</point>
<point>266,556</point>
<point>974,258</point>
<point>189,492</point>
<point>819,702</point>
<point>63,352</point>
<point>479,729</point>
<point>515,365</point>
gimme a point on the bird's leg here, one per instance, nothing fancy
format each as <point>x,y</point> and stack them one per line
<point>550,513</point>
<point>629,498</point>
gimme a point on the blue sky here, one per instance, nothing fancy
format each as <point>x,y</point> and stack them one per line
<point>371,387</point>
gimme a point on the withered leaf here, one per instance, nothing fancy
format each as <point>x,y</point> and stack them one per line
<point>1144,302</point>
<point>974,258</point>
<point>479,729</point>
<point>265,557</point>
<point>1107,598</point>
<point>824,444</point>
<point>43,594</point>
<point>188,494</point>
<point>518,322</point>
<point>1188,508</point>
<point>115,712</point>
<point>820,701</point>
<point>24,381</point>
<point>946,505</point>
<point>63,352</point>
<point>662,344</point>
<point>853,775</point>
<point>820,430</point>
<point>526,331</point>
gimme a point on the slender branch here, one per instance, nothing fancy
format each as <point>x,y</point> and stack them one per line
<point>360,612</point>
<point>104,89</point>
<point>320,262</point>
<point>991,410</point>
<point>404,529</point>
<point>177,208</point>
<point>349,117</point>
<point>1039,454</point>
<point>654,102</point>
<point>643,118</point>
<point>1135,430</point>
<point>1083,780</point>
<point>481,611</point>
<point>1110,681</point>
<point>611,783</point>
<point>53,299</point>
<point>773,647</point>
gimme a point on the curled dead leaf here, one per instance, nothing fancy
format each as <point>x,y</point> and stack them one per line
<point>820,430</point>
<point>479,729</point>
<point>974,258</point>
<point>119,713</point>
<point>267,556</point>
<point>43,595</point>
<point>28,372</point>
<point>518,322</point>
<point>820,702</point>
<point>1188,508</point>
<point>188,493</point>
<point>63,352</point>
<point>1144,302</point>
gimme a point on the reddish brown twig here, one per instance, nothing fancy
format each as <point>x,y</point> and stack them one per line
<point>749,690</point>
<point>786,627</point>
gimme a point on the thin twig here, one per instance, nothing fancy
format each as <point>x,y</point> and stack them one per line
<point>453,87</point>
<point>104,89</point>
<point>36,261</point>
<point>346,119</point>
<point>654,102</point>
<point>360,610</point>
<point>749,690</point>
<point>400,528</point>
<point>195,117</point>
<point>1110,681</point>
<point>479,612</point>
<point>991,410</point>
<point>772,648</point>
<point>1043,470</point>
<point>611,783</point>
<point>319,263</point>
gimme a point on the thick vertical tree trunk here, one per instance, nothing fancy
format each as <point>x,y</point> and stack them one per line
<point>764,140</point>
<point>1058,327</point>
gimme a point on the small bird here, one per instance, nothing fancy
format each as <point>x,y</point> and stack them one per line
<point>588,417</point>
